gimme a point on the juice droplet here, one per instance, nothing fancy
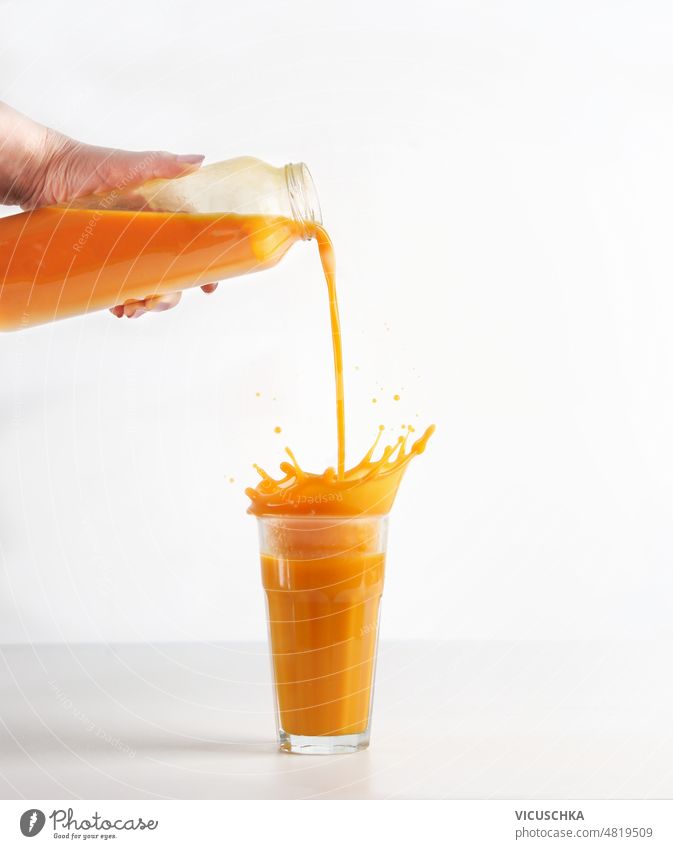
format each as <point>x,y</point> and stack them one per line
<point>231,480</point>
<point>373,400</point>
<point>277,429</point>
<point>396,397</point>
<point>258,394</point>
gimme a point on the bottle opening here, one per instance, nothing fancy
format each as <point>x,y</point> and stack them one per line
<point>303,196</point>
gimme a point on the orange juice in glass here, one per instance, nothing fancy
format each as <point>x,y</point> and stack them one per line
<point>323,578</point>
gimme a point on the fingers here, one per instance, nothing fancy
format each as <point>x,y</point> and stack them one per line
<point>129,168</point>
<point>129,309</point>
<point>155,303</point>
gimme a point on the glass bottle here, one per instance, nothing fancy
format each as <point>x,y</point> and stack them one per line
<point>220,221</point>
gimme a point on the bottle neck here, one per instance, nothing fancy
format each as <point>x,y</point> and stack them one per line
<point>304,203</point>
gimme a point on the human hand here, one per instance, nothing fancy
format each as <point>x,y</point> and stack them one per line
<point>40,166</point>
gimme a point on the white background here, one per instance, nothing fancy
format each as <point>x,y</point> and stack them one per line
<point>497,179</point>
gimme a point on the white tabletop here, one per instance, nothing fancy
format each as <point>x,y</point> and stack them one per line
<point>456,720</point>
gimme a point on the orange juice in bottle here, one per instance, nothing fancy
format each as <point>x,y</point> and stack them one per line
<point>221,221</point>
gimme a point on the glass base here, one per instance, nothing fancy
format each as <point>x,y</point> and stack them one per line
<point>339,744</point>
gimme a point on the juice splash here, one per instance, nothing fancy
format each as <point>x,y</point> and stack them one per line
<point>368,488</point>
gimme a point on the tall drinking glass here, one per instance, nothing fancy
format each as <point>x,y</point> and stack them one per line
<point>323,579</point>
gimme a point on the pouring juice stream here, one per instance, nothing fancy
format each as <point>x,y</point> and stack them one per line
<point>370,486</point>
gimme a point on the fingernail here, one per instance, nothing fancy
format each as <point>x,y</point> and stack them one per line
<point>138,313</point>
<point>190,158</point>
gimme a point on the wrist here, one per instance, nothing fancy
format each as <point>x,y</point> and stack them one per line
<point>25,149</point>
